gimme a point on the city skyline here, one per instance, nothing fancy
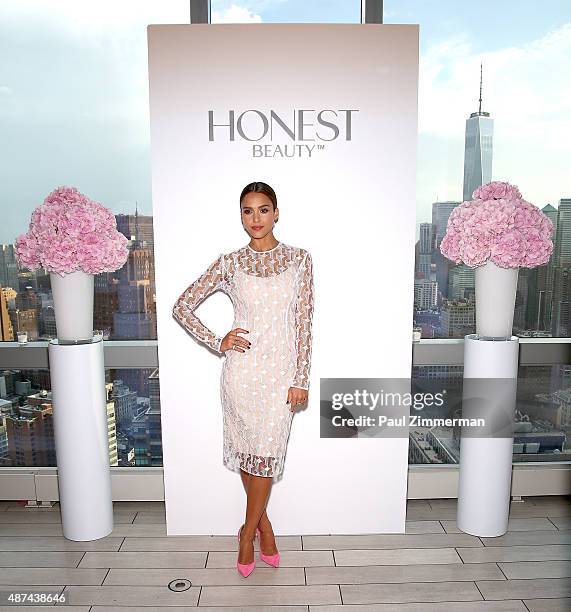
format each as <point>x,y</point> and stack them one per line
<point>93,132</point>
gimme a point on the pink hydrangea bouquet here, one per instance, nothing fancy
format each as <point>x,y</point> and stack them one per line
<point>70,232</point>
<point>500,226</point>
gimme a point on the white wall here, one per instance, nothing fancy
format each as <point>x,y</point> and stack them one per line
<point>352,205</point>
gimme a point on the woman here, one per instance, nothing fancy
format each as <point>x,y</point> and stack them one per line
<point>265,375</point>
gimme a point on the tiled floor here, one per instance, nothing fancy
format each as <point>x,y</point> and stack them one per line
<point>433,567</point>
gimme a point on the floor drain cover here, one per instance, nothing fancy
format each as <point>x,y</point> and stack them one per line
<point>179,584</point>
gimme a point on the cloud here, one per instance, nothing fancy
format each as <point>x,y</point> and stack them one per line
<point>519,84</point>
<point>235,14</point>
<point>527,93</point>
<point>103,16</point>
<point>88,61</point>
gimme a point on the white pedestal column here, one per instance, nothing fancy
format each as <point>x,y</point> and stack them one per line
<point>81,438</point>
<point>490,384</point>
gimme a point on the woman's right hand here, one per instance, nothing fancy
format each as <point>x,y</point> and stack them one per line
<point>232,341</point>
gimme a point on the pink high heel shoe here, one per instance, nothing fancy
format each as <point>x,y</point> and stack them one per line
<point>273,560</point>
<point>245,568</point>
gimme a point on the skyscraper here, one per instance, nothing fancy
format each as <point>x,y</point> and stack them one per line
<point>478,149</point>
<point>441,212</point>
<point>424,255</point>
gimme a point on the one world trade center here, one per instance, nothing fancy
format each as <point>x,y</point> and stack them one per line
<point>478,149</point>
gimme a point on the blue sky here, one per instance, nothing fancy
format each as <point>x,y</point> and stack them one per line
<point>74,110</point>
<point>491,22</point>
<point>297,11</point>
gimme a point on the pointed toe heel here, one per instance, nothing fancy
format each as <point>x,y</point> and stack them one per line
<point>273,560</point>
<point>245,568</point>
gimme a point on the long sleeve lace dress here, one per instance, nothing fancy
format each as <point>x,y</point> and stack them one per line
<point>273,297</point>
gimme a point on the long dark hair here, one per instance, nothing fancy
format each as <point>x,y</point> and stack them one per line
<point>259,187</point>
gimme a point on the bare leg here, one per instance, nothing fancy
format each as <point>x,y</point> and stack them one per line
<point>258,488</point>
<point>268,541</point>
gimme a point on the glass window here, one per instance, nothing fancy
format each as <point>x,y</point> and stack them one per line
<point>542,417</point>
<point>541,424</point>
<point>515,134</point>
<point>285,11</point>
<point>74,111</point>
<point>133,418</point>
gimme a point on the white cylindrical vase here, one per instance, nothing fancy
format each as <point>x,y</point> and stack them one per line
<point>81,438</point>
<point>495,300</point>
<point>73,304</point>
<point>486,454</point>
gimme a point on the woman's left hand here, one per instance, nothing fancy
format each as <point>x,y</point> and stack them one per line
<point>296,396</point>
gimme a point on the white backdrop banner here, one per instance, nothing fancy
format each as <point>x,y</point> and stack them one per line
<point>327,115</point>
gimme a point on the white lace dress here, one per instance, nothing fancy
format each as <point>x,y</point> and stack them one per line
<point>273,297</point>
